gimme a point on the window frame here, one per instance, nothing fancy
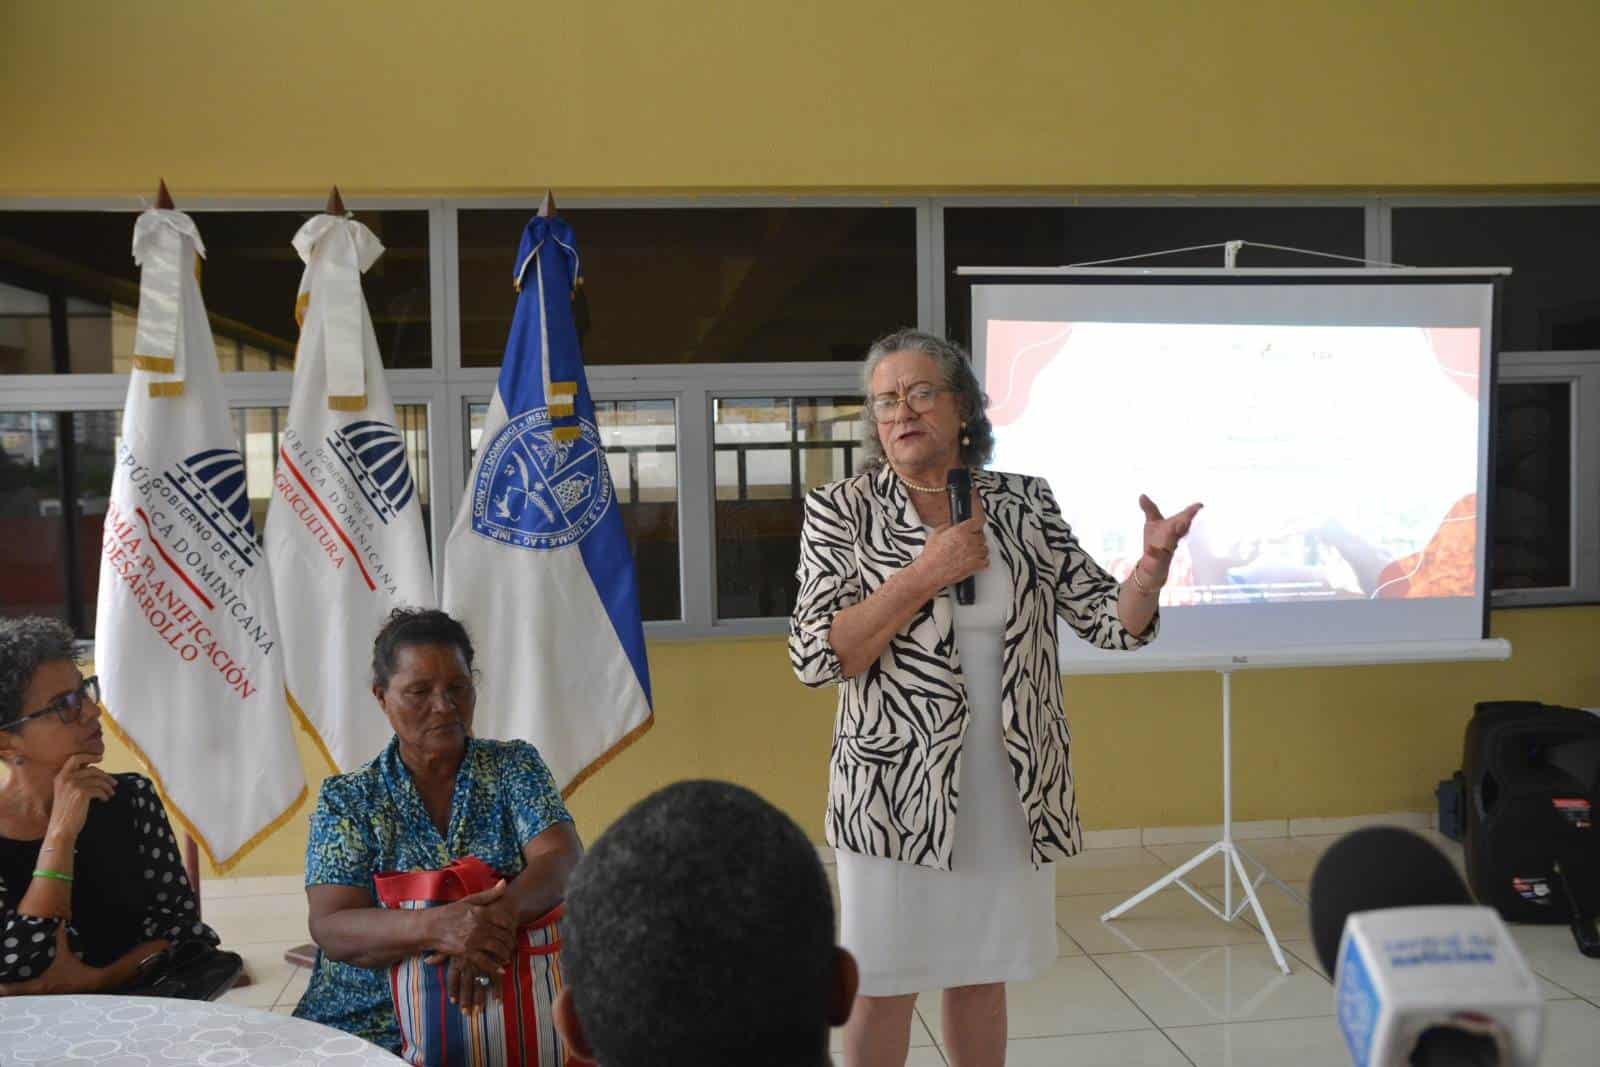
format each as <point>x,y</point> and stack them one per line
<point>1581,371</point>
<point>1536,366</point>
<point>446,387</point>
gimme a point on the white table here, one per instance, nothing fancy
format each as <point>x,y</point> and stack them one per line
<point>150,1032</point>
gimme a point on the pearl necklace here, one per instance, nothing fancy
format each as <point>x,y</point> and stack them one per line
<point>909,484</point>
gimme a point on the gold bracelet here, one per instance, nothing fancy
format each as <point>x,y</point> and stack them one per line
<point>1139,583</point>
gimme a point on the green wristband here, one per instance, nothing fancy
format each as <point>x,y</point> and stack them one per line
<point>40,872</point>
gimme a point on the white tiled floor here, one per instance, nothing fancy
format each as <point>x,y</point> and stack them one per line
<point>1166,985</point>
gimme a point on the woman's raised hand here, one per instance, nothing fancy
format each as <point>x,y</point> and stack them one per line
<point>77,783</point>
<point>956,551</point>
<point>1162,534</point>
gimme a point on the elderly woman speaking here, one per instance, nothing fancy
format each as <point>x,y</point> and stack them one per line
<point>950,782</point>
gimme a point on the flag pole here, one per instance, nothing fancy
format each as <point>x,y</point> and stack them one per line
<point>335,203</point>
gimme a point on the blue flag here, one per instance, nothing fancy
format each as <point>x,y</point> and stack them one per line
<point>537,564</point>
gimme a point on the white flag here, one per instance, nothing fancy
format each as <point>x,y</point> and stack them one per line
<point>537,564</point>
<point>187,644</point>
<point>344,530</point>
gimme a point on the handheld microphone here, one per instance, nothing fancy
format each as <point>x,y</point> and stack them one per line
<point>958,487</point>
<point>1420,975</point>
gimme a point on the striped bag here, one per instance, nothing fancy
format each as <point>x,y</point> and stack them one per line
<point>515,1029</point>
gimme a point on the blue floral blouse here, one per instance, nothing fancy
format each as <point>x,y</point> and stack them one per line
<point>372,821</point>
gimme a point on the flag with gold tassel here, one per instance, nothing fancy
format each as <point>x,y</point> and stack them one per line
<point>187,643</point>
<point>345,533</point>
<point>538,564</point>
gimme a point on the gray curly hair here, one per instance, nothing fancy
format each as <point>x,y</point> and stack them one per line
<point>956,367</point>
<point>26,644</point>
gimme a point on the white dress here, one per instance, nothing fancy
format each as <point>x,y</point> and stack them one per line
<point>991,918</point>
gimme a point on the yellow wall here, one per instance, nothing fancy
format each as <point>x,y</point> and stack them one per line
<point>1345,741</point>
<point>285,96</point>
<point>282,97</point>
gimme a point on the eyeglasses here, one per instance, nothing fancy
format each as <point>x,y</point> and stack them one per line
<point>919,398</point>
<point>68,707</point>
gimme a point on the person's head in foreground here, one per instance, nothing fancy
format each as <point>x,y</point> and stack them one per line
<point>699,931</point>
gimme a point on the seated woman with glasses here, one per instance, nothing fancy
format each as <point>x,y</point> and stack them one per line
<point>435,795</point>
<point>91,887</point>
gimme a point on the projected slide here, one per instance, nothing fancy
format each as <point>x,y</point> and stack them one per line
<point>1336,462</point>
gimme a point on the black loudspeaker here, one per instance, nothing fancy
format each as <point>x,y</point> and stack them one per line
<point>1532,776</point>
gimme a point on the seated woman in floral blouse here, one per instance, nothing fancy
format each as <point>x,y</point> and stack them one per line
<point>90,882</point>
<point>435,795</point>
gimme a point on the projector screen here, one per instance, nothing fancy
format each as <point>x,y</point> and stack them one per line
<point>1337,432</point>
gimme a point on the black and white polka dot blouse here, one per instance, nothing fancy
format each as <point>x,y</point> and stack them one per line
<point>128,887</point>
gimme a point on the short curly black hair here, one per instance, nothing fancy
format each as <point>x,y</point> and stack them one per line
<point>415,626</point>
<point>26,644</point>
<point>699,931</point>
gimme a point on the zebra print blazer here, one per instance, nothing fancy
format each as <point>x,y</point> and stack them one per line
<point>892,787</point>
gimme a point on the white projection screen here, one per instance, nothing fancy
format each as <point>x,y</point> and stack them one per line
<point>1336,430</point>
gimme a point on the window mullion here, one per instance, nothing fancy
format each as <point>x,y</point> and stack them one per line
<point>1586,481</point>
<point>697,507</point>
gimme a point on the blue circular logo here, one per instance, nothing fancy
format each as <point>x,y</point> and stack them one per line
<point>533,491</point>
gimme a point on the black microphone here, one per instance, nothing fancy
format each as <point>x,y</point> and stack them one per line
<point>1420,976</point>
<point>1377,867</point>
<point>958,486</point>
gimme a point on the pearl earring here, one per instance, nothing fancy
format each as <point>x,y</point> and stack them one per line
<point>966,438</point>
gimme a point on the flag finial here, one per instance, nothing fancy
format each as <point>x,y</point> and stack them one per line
<point>163,197</point>
<point>335,202</point>
<point>547,210</point>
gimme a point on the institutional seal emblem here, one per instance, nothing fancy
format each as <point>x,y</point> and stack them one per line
<point>535,492</point>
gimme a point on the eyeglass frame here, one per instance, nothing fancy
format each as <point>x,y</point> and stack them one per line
<point>59,706</point>
<point>905,398</point>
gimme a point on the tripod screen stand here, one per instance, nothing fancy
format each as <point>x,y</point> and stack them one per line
<point>1233,857</point>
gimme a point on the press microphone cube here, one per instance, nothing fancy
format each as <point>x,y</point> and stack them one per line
<point>1450,973</point>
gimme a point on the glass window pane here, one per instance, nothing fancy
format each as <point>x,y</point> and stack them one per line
<point>250,278</point>
<point>24,332</point>
<point>32,565</point>
<point>258,430</point>
<point>1053,237</point>
<point>1532,536</point>
<point>412,422</point>
<point>707,285</point>
<point>1552,298</point>
<point>94,436</point>
<point>641,443</point>
<point>33,573</point>
<point>769,452</point>
<point>477,411</point>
